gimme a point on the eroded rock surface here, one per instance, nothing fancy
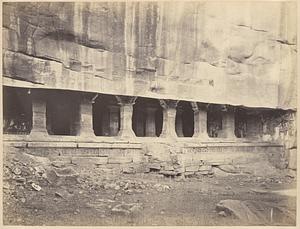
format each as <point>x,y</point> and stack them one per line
<point>215,51</point>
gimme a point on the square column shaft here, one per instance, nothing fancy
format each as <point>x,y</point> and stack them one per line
<point>86,117</point>
<point>179,122</point>
<point>200,121</point>
<point>38,114</point>
<point>169,114</point>
<point>228,124</point>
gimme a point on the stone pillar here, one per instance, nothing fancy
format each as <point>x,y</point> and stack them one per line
<point>39,127</point>
<point>86,117</point>
<point>113,120</point>
<point>200,121</point>
<point>228,123</point>
<point>178,122</point>
<point>150,122</point>
<point>169,114</point>
<point>126,109</point>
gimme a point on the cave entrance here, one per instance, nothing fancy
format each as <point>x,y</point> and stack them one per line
<point>184,120</point>
<point>147,118</point>
<point>106,116</point>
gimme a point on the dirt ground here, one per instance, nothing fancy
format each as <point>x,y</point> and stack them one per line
<point>99,197</point>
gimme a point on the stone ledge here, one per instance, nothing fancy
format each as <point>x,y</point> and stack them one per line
<point>110,145</point>
<point>52,145</point>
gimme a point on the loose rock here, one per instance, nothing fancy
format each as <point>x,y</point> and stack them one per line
<point>36,187</point>
<point>228,168</point>
<point>17,171</point>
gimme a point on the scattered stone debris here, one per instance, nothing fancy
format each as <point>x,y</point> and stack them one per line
<point>58,164</point>
<point>162,187</point>
<point>255,212</point>
<point>61,176</point>
<point>291,173</point>
<point>64,194</point>
<point>126,209</point>
<point>128,170</point>
<point>36,187</point>
<point>222,213</point>
<point>228,168</point>
<point>17,171</point>
<point>154,166</point>
<point>260,191</point>
<point>238,209</point>
<point>20,179</point>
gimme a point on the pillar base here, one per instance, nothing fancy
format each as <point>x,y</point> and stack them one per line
<point>38,134</point>
<point>201,137</point>
<point>126,134</point>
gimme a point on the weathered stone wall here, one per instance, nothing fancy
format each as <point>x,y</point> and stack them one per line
<point>165,158</point>
<point>233,53</point>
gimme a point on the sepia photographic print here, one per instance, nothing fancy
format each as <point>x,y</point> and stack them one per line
<point>152,113</point>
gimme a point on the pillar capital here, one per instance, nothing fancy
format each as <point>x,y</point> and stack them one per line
<point>88,97</point>
<point>196,106</point>
<point>228,108</point>
<point>126,100</point>
<point>168,103</point>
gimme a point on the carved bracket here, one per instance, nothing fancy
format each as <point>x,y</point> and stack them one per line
<point>124,99</point>
<point>168,103</point>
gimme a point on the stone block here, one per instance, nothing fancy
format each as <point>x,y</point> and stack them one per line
<point>192,168</point>
<point>137,156</point>
<point>169,173</point>
<point>154,166</point>
<point>205,172</point>
<point>228,168</point>
<point>142,168</point>
<point>88,161</point>
<point>82,152</point>
<point>59,176</point>
<point>205,168</point>
<point>185,159</point>
<point>292,159</point>
<point>168,168</point>
<point>180,170</point>
<point>129,170</point>
<point>114,159</point>
<point>189,174</point>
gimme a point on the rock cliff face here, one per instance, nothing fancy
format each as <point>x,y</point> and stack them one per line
<point>240,54</point>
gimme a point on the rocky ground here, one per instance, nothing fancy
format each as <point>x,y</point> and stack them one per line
<point>42,192</point>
